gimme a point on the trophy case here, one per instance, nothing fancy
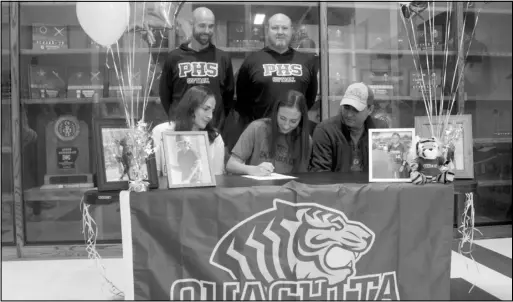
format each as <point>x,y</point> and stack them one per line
<point>66,80</point>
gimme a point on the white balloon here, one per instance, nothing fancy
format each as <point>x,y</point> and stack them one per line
<point>104,22</point>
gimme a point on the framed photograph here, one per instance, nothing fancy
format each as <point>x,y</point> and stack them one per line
<point>389,149</point>
<point>112,159</point>
<point>463,155</point>
<point>187,159</point>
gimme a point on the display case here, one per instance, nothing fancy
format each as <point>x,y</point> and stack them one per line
<point>8,234</point>
<point>368,40</point>
<point>354,41</point>
<point>488,98</point>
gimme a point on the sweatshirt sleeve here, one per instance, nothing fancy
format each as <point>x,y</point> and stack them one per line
<point>165,87</point>
<point>243,104</point>
<point>313,86</point>
<point>322,154</point>
<point>218,156</point>
<point>229,87</point>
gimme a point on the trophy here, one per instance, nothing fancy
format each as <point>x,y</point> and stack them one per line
<point>67,154</point>
<point>49,37</point>
<point>85,83</point>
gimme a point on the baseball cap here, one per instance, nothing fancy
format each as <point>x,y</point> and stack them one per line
<point>358,95</point>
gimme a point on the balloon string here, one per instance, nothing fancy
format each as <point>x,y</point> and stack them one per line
<point>429,87</point>
<point>412,52</point>
<point>433,49</point>
<point>446,54</point>
<point>423,87</point>
<point>454,92</point>
<point>461,71</point>
<point>119,75</point>
<point>132,66</point>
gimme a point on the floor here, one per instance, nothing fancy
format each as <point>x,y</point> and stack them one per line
<point>80,279</point>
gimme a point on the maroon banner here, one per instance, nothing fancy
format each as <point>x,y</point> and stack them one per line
<point>295,242</point>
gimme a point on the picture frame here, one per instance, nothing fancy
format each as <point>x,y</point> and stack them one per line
<point>463,153</point>
<point>387,155</point>
<point>187,159</point>
<point>110,166</point>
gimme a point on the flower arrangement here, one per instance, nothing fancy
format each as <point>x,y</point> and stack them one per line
<point>140,146</point>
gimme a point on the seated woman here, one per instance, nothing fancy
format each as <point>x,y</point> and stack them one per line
<point>280,144</point>
<point>193,113</point>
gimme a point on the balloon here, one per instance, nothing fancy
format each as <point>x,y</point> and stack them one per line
<point>412,8</point>
<point>150,16</point>
<point>104,22</point>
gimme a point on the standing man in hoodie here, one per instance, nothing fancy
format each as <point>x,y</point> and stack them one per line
<point>268,72</point>
<point>199,62</point>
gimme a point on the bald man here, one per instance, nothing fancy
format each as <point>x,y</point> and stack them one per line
<point>198,62</point>
<point>274,69</point>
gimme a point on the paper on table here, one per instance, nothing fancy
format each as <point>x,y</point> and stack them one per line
<point>273,176</point>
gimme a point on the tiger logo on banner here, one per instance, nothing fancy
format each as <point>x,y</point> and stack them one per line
<point>293,251</point>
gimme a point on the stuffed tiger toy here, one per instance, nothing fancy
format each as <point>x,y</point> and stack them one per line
<point>429,165</point>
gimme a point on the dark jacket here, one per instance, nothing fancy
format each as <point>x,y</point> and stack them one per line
<point>185,67</point>
<point>332,149</point>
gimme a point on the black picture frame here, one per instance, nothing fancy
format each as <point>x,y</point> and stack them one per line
<point>103,184</point>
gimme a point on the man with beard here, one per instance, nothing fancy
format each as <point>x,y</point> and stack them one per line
<point>266,73</point>
<point>341,143</point>
<point>198,62</point>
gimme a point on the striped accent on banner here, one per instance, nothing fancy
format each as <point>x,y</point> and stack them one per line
<point>490,274</point>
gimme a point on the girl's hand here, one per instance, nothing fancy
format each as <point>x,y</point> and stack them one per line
<point>259,171</point>
<point>267,166</point>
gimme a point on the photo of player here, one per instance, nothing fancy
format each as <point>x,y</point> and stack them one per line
<point>390,153</point>
<point>397,155</point>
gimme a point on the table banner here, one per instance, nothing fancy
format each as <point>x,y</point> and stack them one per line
<point>295,242</point>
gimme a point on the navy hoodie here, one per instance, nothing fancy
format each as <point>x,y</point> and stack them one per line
<point>185,67</point>
<point>265,74</point>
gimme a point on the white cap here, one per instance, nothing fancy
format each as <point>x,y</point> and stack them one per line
<point>357,95</point>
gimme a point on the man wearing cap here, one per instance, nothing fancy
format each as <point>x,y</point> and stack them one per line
<point>340,144</point>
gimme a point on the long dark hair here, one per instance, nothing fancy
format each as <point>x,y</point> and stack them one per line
<point>299,138</point>
<point>183,114</point>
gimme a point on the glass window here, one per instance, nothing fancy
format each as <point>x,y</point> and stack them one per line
<point>66,76</point>
<point>488,100</point>
<point>7,176</point>
<point>369,42</point>
<point>57,64</point>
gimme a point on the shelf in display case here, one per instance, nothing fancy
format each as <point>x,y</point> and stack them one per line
<point>500,54</point>
<point>492,10</point>
<point>492,140</point>
<point>253,49</point>
<point>388,52</point>
<point>381,98</point>
<point>80,101</point>
<point>275,3</point>
<point>139,50</point>
<point>88,51</point>
<point>6,149</point>
<point>64,194</point>
<point>5,52</point>
<point>49,3</point>
<point>494,182</point>
<point>7,197</point>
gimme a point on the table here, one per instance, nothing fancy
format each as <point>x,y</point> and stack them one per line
<point>320,236</point>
